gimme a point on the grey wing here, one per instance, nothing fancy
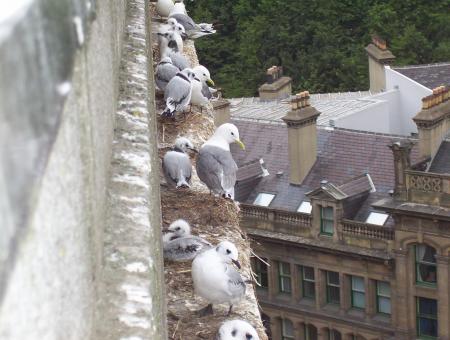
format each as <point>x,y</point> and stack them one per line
<point>185,248</point>
<point>229,169</point>
<point>236,285</point>
<point>177,90</point>
<point>209,170</point>
<point>164,73</point>
<point>179,60</point>
<point>185,20</point>
<point>206,91</point>
<point>174,163</point>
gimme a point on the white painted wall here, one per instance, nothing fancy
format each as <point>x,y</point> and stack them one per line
<point>410,99</point>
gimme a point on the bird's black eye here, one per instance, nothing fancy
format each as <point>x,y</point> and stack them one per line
<point>204,74</point>
<point>248,336</point>
<point>178,228</point>
<point>187,144</point>
<point>234,332</point>
<point>232,133</point>
<point>228,251</point>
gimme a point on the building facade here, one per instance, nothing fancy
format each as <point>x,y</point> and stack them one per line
<point>352,232</point>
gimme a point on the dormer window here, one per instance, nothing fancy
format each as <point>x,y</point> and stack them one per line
<point>305,207</point>
<point>326,221</point>
<point>377,218</point>
<point>264,199</point>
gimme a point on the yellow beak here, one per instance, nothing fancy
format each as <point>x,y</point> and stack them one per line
<point>210,82</point>
<point>238,141</point>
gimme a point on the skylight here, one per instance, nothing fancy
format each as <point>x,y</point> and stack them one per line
<point>305,207</point>
<point>377,218</point>
<point>263,199</point>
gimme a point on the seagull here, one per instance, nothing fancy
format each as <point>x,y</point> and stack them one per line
<point>236,330</point>
<point>169,42</point>
<point>215,278</point>
<point>172,25</point>
<point>177,165</point>
<point>178,7</point>
<point>164,7</point>
<point>178,92</point>
<point>178,228</point>
<point>180,245</point>
<point>193,30</point>
<point>179,60</point>
<point>215,164</point>
<point>201,93</point>
<point>165,71</point>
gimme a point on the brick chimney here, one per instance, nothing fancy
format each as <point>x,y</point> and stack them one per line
<point>379,56</point>
<point>402,161</point>
<point>302,137</point>
<point>277,86</point>
<point>433,121</point>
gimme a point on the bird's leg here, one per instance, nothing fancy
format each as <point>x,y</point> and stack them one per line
<point>229,311</point>
<point>208,310</point>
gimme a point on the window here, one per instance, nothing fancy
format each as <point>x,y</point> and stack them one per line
<point>310,332</point>
<point>287,329</point>
<point>263,199</point>
<point>427,324</point>
<point>383,297</point>
<point>260,269</point>
<point>358,292</point>
<point>377,218</point>
<point>284,274</point>
<point>305,207</point>
<point>334,335</point>
<point>333,287</point>
<point>326,221</point>
<point>425,264</point>
<point>308,282</point>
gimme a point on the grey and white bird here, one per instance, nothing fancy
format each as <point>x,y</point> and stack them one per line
<point>178,228</point>
<point>193,30</point>
<point>201,94</point>
<point>178,7</point>
<point>236,330</point>
<point>164,7</point>
<point>169,42</point>
<point>215,164</point>
<point>165,71</point>
<point>180,245</point>
<point>179,60</point>
<point>177,165</point>
<point>215,278</point>
<point>178,92</point>
<point>172,25</point>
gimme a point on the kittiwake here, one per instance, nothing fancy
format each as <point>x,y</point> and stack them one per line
<point>201,93</point>
<point>165,71</point>
<point>177,165</point>
<point>178,228</point>
<point>178,92</point>
<point>215,278</point>
<point>172,25</point>
<point>215,164</point>
<point>236,330</point>
<point>169,42</point>
<point>178,60</point>
<point>193,30</point>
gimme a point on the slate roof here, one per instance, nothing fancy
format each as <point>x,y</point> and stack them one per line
<point>342,155</point>
<point>441,162</point>
<point>429,75</point>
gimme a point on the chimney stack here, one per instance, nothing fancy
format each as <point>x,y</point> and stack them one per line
<point>302,137</point>
<point>433,121</point>
<point>402,162</point>
<point>379,56</point>
<point>277,86</point>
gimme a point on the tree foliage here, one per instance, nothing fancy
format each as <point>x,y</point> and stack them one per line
<point>319,43</point>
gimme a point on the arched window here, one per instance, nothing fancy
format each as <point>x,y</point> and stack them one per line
<point>310,332</point>
<point>425,264</point>
<point>287,329</point>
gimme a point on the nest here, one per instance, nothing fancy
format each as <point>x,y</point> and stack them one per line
<point>212,218</point>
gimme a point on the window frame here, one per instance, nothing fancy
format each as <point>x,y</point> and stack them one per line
<point>425,316</point>
<point>307,331</point>
<point>261,194</point>
<point>328,285</point>
<point>310,281</point>
<point>353,291</point>
<point>325,219</point>
<point>283,335</point>
<point>418,263</point>
<point>379,296</point>
<point>257,267</point>
<point>282,275</point>
<point>303,212</point>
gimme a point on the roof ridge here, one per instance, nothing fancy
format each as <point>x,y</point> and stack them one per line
<point>327,128</point>
<point>444,63</point>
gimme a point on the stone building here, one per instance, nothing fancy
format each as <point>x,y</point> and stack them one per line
<point>350,227</point>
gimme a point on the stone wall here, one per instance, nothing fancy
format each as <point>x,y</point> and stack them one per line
<point>59,63</point>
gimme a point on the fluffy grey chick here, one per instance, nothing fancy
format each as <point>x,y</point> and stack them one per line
<point>178,92</point>
<point>165,71</point>
<point>177,165</point>
<point>178,228</point>
<point>236,330</point>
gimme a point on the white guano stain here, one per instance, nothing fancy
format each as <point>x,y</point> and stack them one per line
<point>136,267</point>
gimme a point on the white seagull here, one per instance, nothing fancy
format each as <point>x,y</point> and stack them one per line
<point>215,278</point>
<point>215,164</point>
<point>201,93</point>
